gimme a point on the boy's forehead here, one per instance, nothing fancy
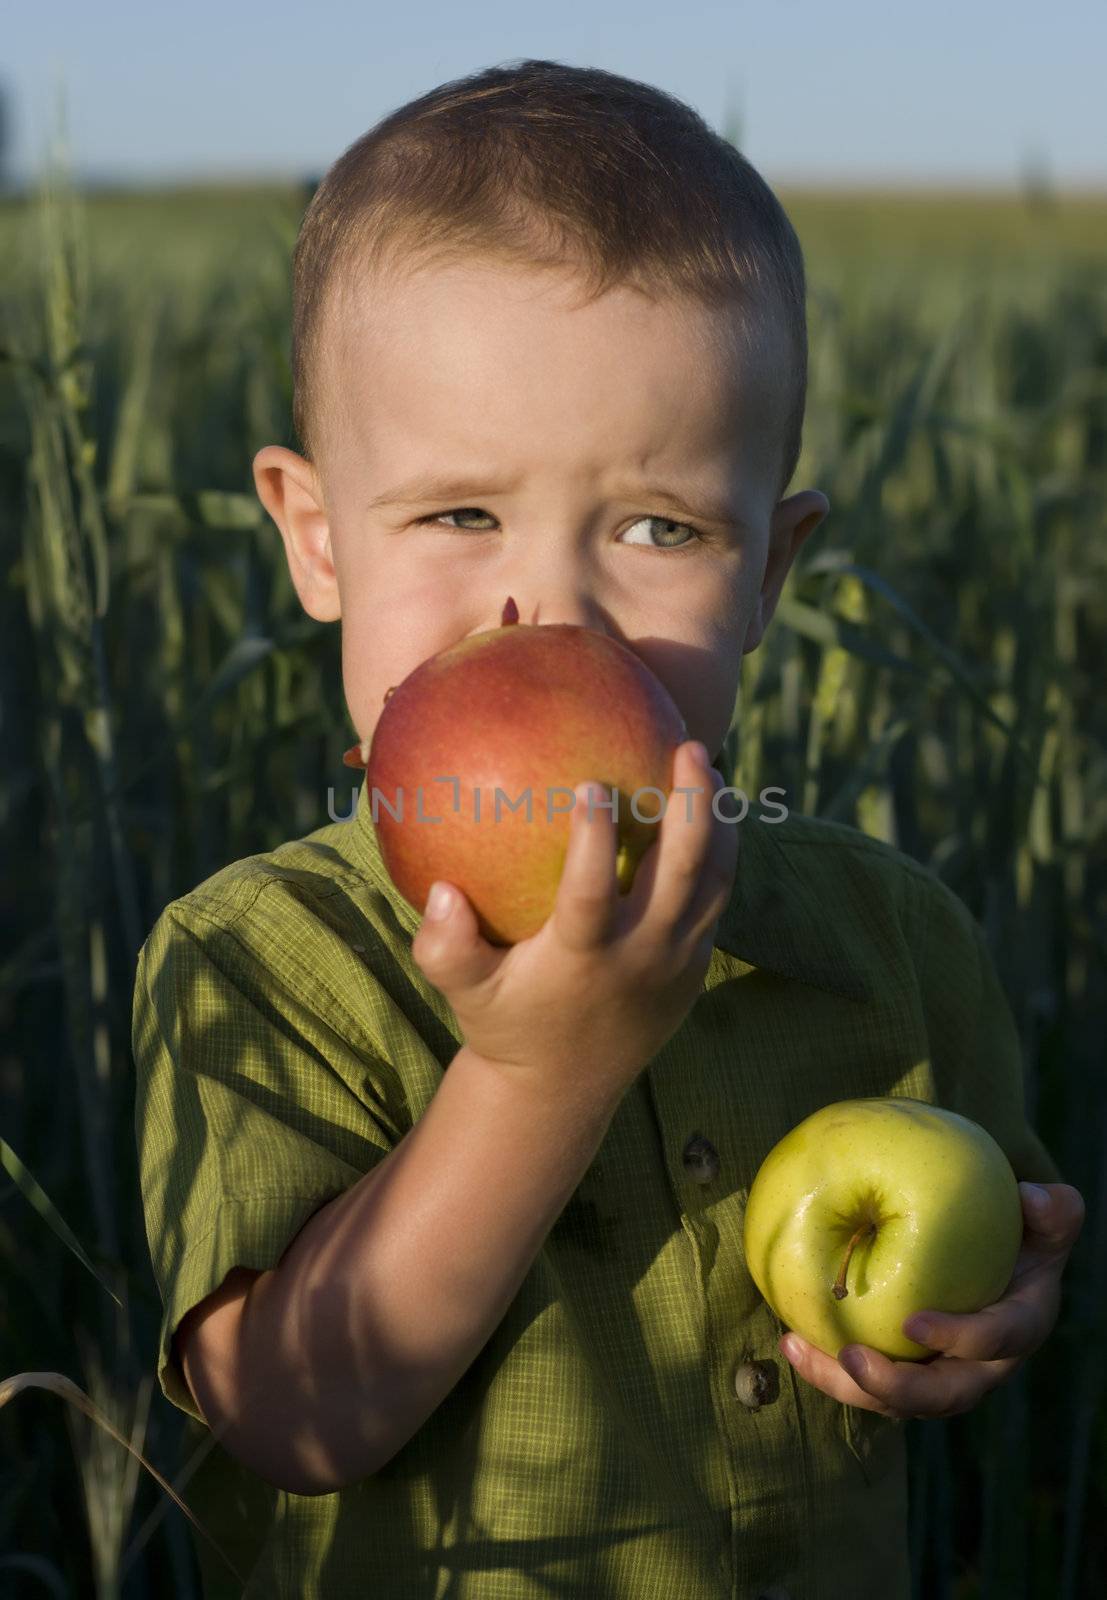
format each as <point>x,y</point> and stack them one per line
<point>385,308</point>
<point>424,340</point>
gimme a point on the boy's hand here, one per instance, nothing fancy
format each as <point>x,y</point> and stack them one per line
<point>977,1350</point>
<point>608,978</point>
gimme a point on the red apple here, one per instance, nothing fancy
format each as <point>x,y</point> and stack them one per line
<point>529,711</point>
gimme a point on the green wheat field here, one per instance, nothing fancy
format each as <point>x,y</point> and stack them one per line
<point>935,676</point>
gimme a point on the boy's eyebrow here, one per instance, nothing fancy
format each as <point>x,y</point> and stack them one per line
<point>430,486</point>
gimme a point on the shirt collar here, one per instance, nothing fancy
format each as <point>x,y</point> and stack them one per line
<point>774,920</point>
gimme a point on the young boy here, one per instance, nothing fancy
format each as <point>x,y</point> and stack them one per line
<point>449,1237</point>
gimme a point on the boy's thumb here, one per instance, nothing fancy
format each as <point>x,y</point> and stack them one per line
<point>448,946</point>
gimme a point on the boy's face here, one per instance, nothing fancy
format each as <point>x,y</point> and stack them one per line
<point>561,428</point>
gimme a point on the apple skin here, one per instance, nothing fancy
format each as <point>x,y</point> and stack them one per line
<point>526,708</point>
<point>945,1202</point>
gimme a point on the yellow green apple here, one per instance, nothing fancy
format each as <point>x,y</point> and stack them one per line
<point>871,1210</point>
<point>490,737</point>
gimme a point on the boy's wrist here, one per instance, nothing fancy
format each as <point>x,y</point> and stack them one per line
<point>549,1089</point>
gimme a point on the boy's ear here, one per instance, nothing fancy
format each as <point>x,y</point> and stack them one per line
<point>288,487</point>
<point>794,520</point>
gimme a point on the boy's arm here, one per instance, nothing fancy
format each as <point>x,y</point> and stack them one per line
<point>316,1372</point>
<point>387,1294</point>
<point>206,1333</point>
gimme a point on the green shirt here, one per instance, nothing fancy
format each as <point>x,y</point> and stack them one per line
<point>616,1435</point>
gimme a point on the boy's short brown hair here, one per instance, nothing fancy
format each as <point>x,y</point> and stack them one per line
<point>542,164</point>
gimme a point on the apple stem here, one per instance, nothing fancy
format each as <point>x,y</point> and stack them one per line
<point>840,1291</point>
<point>510,613</point>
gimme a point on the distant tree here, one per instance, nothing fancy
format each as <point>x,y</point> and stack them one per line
<point>6,122</point>
<point>734,122</point>
<point>1038,190</point>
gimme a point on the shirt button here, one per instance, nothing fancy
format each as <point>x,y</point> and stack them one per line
<point>757,1384</point>
<point>701,1159</point>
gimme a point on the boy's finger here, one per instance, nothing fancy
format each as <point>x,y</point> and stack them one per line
<point>684,842</point>
<point>716,882</point>
<point>585,907</point>
<point>449,948</point>
<point>721,864</point>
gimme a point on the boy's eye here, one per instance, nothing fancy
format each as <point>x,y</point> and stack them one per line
<point>666,524</point>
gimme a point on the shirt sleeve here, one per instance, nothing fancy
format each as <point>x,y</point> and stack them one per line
<point>251,1112</point>
<point>975,1053</point>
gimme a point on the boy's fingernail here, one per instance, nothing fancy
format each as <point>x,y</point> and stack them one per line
<point>918,1328</point>
<point>1036,1196</point>
<point>853,1361</point>
<point>438,902</point>
<point>700,752</point>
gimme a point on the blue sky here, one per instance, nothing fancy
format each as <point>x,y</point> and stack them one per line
<point>827,90</point>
